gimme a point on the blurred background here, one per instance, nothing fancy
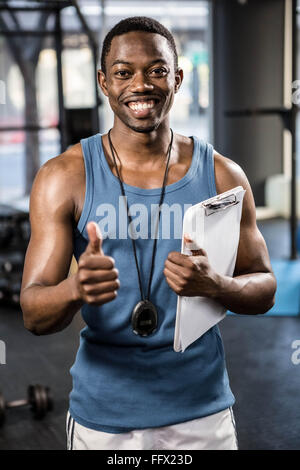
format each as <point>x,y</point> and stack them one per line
<point>240,92</point>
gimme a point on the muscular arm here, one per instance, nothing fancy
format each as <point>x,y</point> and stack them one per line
<point>252,288</point>
<point>49,299</point>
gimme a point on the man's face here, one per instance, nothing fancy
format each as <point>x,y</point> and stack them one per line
<point>140,79</point>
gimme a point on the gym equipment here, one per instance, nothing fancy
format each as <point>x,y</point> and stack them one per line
<point>14,238</point>
<point>79,124</point>
<point>2,407</point>
<point>14,228</point>
<point>14,290</point>
<point>4,290</point>
<point>39,400</point>
<point>10,285</point>
<point>11,262</point>
<point>6,232</point>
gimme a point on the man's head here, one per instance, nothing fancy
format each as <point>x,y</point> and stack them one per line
<point>139,72</point>
<point>137,23</point>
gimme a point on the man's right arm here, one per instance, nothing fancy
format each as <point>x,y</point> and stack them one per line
<point>50,299</point>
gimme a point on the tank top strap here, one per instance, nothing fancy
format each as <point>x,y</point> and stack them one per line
<point>206,168</point>
<point>91,159</point>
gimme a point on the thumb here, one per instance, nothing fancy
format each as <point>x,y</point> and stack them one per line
<point>95,238</point>
<point>192,246</point>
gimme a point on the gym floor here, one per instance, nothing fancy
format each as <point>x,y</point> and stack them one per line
<point>258,351</point>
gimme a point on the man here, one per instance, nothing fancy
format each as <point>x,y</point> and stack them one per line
<point>131,390</point>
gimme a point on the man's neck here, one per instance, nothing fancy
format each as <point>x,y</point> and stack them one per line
<point>139,147</point>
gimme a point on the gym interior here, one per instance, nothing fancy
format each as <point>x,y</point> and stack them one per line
<point>241,62</point>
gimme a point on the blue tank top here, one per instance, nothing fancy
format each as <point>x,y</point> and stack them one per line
<point>122,381</point>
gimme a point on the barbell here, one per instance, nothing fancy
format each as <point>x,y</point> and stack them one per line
<point>39,400</point>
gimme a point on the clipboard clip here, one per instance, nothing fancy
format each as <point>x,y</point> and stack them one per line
<point>220,204</point>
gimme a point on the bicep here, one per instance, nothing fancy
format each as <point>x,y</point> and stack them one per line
<point>252,253</point>
<point>252,256</point>
<point>50,248</point>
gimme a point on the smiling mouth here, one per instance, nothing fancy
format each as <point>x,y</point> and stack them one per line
<point>143,107</point>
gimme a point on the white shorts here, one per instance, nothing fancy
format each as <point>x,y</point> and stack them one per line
<point>214,432</point>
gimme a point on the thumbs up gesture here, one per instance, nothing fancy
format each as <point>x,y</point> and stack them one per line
<point>97,277</point>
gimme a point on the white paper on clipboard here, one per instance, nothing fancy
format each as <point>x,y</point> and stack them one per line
<point>214,225</point>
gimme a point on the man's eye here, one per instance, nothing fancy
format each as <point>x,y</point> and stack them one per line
<point>122,73</point>
<point>159,71</point>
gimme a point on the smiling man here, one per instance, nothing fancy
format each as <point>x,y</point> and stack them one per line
<point>131,390</point>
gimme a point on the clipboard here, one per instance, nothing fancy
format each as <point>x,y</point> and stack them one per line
<point>213,224</point>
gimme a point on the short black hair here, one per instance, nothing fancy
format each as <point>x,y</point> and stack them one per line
<point>137,23</point>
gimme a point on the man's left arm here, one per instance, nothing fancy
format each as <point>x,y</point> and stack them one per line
<point>252,288</point>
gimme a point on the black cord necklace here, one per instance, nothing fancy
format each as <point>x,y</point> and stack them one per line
<point>144,317</point>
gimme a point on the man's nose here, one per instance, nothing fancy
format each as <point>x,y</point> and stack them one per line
<point>141,83</point>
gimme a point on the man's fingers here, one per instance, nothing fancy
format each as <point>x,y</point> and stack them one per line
<point>172,284</point>
<point>199,252</point>
<point>101,288</point>
<point>97,276</point>
<point>192,246</point>
<point>102,298</point>
<point>180,271</point>
<point>177,258</point>
<point>170,275</point>
<point>89,276</point>
<point>100,262</point>
<point>95,238</point>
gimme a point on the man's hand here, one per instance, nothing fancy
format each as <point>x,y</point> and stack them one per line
<point>191,275</point>
<point>97,278</point>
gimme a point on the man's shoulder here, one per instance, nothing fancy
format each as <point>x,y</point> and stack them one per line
<point>63,168</point>
<point>59,176</point>
<point>228,173</point>
<point>67,161</point>
<point>184,140</point>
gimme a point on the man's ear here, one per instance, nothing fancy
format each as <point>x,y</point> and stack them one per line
<point>102,81</point>
<point>178,79</point>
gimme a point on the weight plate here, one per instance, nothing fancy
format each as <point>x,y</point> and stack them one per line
<point>50,404</point>
<point>41,401</point>
<point>2,409</point>
<point>38,400</point>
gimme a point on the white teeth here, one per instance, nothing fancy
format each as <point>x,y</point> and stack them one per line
<point>139,106</point>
